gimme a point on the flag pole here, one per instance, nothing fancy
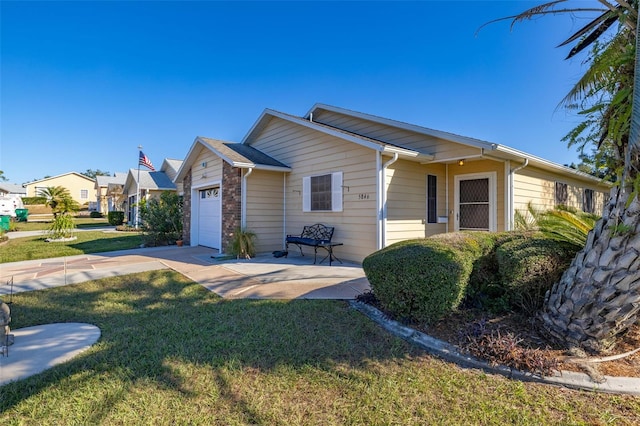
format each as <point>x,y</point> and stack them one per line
<point>138,189</point>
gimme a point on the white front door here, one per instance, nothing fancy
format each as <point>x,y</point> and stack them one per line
<point>209,217</point>
<point>475,202</point>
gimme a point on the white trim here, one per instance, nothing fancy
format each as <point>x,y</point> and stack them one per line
<point>195,211</point>
<point>493,197</point>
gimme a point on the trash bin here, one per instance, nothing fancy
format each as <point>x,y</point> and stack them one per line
<point>5,222</point>
<point>22,215</point>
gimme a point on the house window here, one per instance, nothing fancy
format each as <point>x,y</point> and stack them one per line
<point>84,194</point>
<point>322,193</point>
<point>562,194</point>
<point>587,201</point>
<point>431,199</point>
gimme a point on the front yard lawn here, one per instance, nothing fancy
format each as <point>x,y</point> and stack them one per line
<point>172,352</point>
<point>29,248</point>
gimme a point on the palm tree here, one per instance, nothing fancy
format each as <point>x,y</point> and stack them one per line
<point>598,297</point>
<point>54,196</point>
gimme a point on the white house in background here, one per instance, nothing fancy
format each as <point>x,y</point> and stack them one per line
<point>109,194</point>
<point>12,188</point>
<point>376,180</point>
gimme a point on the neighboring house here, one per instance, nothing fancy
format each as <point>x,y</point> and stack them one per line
<point>171,166</point>
<point>12,188</point>
<point>376,180</point>
<point>148,185</point>
<point>80,187</point>
<point>109,192</point>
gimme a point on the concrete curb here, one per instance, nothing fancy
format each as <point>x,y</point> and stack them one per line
<point>448,352</point>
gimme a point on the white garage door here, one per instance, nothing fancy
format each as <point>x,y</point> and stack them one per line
<point>209,223</point>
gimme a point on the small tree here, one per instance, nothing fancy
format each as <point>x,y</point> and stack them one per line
<point>162,218</point>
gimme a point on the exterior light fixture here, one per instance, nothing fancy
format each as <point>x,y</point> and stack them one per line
<point>461,162</point>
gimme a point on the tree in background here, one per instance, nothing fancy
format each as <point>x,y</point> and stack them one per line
<point>598,297</point>
<point>3,178</point>
<point>93,173</point>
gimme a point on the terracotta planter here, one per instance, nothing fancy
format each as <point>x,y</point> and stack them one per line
<point>179,243</point>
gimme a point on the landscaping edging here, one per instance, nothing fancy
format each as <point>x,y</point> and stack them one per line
<point>444,350</point>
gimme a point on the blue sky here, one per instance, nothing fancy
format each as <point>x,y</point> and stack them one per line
<point>84,83</point>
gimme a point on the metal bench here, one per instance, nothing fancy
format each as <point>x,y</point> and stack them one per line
<point>316,236</point>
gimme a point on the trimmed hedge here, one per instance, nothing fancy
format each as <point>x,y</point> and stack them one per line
<point>95,215</point>
<point>529,267</point>
<point>423,280</point>
<point>115,218</point>
<point>27,201</point>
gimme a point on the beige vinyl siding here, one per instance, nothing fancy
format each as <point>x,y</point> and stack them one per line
<point>406,184</point>
<point>480,166</point>
<point>212,173</point>
<point>538,187</point>
<point>442,149</point>
<point>309,153</point>
<point>265,209</point>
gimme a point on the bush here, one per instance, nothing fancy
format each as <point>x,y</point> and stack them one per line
<point>529,267</point>
<point>115,218</point>
<point>33,200</point>
<point>162,219</point>
<point>423,280</point>
<point>96,215</point>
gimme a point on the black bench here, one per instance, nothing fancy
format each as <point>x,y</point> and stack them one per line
<point>316,236</point>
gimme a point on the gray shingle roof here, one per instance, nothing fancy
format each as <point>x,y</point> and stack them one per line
<point>240,153</point>
<point>152,180</point>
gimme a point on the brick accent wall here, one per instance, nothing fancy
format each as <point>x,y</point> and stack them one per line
<point>186,204</point>
<point>231,203</point>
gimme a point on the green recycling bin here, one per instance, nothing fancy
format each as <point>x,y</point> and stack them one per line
<point>5,222</point>
<point>22,214</point>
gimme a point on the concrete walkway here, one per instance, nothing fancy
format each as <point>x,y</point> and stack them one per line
<point>263,277</point>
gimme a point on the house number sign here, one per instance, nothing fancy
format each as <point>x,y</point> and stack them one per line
<point>363,196</point>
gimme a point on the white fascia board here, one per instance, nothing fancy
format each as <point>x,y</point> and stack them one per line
<point>546,164</point>
<point>406,126</point>
<point>404,152</point>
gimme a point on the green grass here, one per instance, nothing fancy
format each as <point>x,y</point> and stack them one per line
<point>29,248</point>
<point>82,223</point>
<point>173,353</point>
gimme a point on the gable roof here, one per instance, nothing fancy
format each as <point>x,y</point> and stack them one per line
<point>12,188</point>
<point>486,149</point>
<point>149,180</point>
<point>235,154</point>
<point>118,178</point>
<point>365,141</point>
<point>61,175</point>
<point>171,163</point>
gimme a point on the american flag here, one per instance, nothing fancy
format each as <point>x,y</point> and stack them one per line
<point>144,161</point>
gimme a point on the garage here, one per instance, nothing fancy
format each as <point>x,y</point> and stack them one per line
<point>209,217</point>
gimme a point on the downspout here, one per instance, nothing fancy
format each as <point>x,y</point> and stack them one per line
<point>284,209</point>
<point>511,192</point>
<point>243,214</point>
<point>446,196</point>
<point>383,198</point>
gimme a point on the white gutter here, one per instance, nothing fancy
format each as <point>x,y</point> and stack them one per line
<point>284,210</point>
<point>383,200</point>
<point>243,215</point>
<point>511,208</point>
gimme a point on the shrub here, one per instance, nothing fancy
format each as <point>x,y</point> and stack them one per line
<point>529,267</point>
<point>162,218</point>
<point>242,244</point>
<point>423,280</point>
<point>95,215</point>
<point>33,200</point>
<point>115,218</point>
<point>62,226</point>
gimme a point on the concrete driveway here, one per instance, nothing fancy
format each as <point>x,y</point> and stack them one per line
<point>263,277</point>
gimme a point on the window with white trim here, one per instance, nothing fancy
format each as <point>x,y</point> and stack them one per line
<point>322,193</point>
<point>84,194</point>
<point>432,188</point>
